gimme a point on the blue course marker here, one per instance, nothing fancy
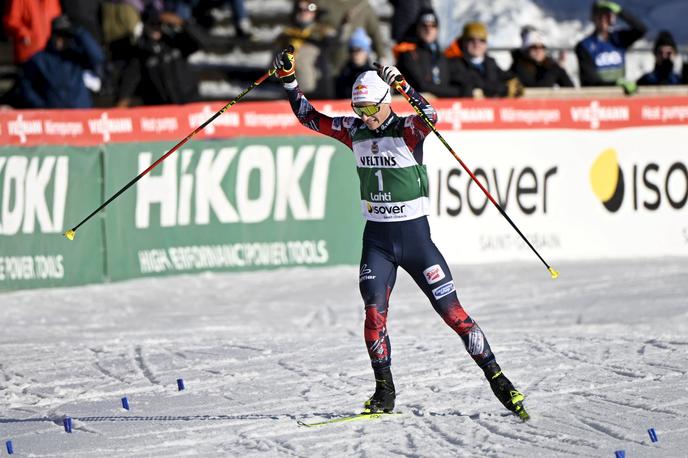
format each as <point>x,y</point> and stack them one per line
<point>620,454</point>
<point>653,434</point>
<point>67,422</point>
<point>10,448</point>
<point>180,384</point>
<point>125,403</point>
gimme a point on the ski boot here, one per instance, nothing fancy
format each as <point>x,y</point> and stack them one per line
<point>382,400</point>
<point>509,396</point>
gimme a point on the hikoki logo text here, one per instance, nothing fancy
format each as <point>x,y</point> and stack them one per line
<point>229,185</point>
<point>644,186</point>
<point>33,194</point>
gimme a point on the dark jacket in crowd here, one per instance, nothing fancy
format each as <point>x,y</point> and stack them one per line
<point>54,78</point>
<point>404,18</point>
<point>467,76</point>
<point>159,72</point>
<point>87,14</point>
<point>347,77</point>
<point>547,73</point>
<point>660,76</point>
<point>663,73</point>
<point>602,63</point>
<point>425,68</point>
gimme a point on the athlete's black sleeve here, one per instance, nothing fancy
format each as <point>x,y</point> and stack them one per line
<point>629,36</point>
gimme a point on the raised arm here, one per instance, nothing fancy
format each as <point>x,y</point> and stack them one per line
<point>636,31</point>
<point>307,114</point>
<point>415,127</point>
<point>391,75</point>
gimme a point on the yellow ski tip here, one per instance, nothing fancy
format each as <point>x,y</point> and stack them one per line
<point>70,234</point>
<point>553,273</point>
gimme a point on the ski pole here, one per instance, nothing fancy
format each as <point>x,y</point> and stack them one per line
<point>397,86</point>
<point>72,232</point>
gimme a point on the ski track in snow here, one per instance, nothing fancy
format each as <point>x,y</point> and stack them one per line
<point>601,354</point>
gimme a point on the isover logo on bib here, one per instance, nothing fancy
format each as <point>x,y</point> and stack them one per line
<point>386,210</point>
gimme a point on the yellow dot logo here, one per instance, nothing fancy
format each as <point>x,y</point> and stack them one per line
<point>607,180</point>
<point>370,207</point>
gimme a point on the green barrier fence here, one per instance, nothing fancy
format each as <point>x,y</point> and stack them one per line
<point>224,205</point>
<point>41,190</point>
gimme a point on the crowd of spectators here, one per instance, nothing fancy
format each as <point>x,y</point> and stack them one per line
<point>136,51</point>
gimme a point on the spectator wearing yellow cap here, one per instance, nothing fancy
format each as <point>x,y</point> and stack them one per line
<point>534,67</point>
<point>473,72</point>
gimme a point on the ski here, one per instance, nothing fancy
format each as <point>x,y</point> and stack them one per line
<point>348,418</point>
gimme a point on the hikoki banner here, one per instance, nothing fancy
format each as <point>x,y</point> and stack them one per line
<point>258,119</point>
<point>225,205</point>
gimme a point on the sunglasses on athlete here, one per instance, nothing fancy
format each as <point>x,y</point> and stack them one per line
<point>369,110</point>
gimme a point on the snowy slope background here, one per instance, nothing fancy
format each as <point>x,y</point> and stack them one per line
<point>601,353</point>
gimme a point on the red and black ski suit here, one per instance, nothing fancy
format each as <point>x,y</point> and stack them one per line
<point>388,245</point>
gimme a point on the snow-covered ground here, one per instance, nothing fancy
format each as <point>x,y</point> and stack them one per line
<point>601,353</point>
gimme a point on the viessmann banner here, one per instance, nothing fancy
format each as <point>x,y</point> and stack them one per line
<point>273,119</point>
<point>582,179</point>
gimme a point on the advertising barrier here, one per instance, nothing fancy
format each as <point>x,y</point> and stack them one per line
<point>239,205</point>
<point>583,179</point>
<point>41,189</point>
<point>574,194</point>
<point>275,119</point>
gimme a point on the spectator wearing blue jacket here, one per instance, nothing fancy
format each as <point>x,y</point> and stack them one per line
<point>602,55</point>
<point>663,74</point>
<point>55,77</point>
<point>360,47</point>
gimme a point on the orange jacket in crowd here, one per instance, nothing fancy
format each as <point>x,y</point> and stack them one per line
<point>27,22</point>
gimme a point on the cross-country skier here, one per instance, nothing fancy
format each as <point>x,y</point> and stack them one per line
<point>394,200</point>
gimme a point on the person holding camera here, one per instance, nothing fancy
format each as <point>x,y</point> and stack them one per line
<point>57,76</point>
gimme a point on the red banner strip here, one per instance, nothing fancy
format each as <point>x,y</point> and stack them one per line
<point>256,119</point>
